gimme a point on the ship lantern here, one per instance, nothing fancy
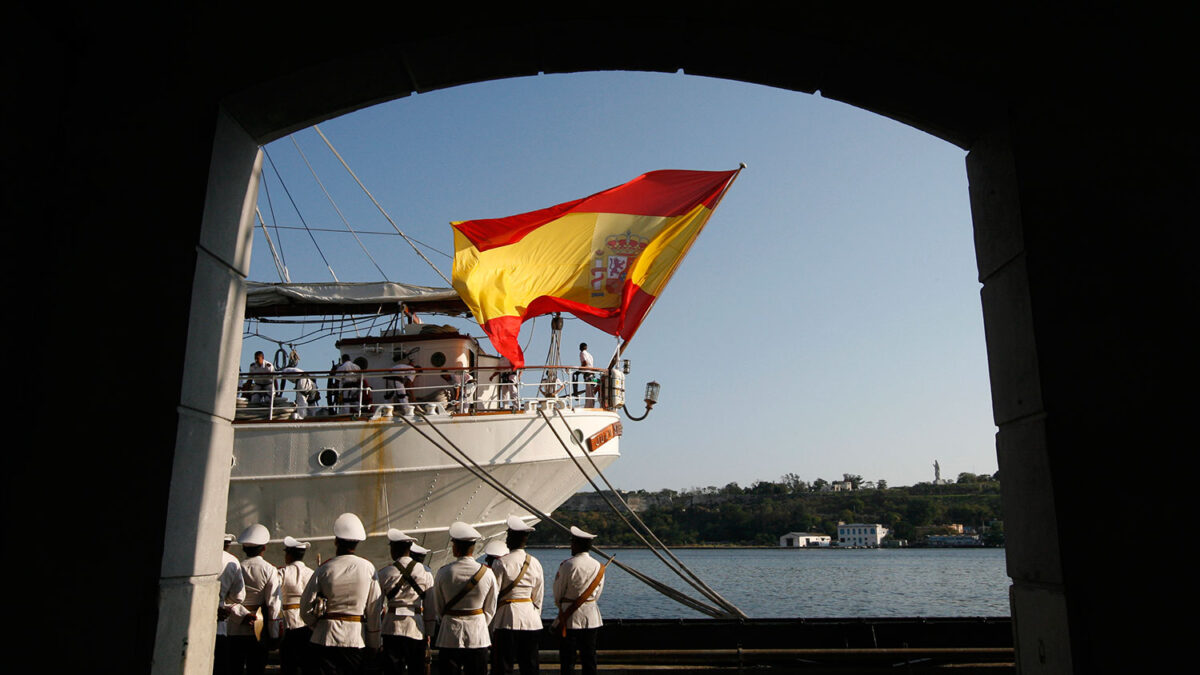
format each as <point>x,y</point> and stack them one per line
<point>652,389</point>
<point>651,394</point>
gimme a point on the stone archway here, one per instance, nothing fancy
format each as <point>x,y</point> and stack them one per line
<point>1079,198</point>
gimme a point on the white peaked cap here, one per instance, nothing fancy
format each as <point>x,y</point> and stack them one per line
<point>290,542</point>
<point>349,527</point>
<point>517,525</point>
<point>255,535</point>
<point>417,548</point>
<point>495,548</point>
<point>461,531</point>
<point>397,535</point>
<point>229,538</point>
<point>576,532</point>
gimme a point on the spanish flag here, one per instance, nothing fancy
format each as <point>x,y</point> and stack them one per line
<point>603,258</point>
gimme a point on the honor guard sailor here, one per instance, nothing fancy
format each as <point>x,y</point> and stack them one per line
<point>464,601</point>
<point>294,576</point>
<point>250,641</point>
<point>518,622</point>
<point>342,604</point>
<point>233,592</point>
<point>404,584</point>
<point>577,587</point>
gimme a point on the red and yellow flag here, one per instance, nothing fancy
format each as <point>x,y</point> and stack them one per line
<point>603,258</point>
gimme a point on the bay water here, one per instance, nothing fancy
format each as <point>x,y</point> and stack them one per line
<point>808,583</point>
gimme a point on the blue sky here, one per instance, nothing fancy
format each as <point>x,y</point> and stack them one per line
<point>827,321</point>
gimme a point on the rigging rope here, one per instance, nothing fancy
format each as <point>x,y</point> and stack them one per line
<point>377,205</point>
<point>271,207</point>
<point>703,587</point>
<point>335,208</point>
<point>298,214</point>
<point>479,473</point>
<point>279,266</point>
<point>696,583</point>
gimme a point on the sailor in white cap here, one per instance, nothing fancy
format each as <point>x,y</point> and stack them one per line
<point>404,583</point>
<point>262,594</point>
<point>494,550</point>
<point>577,586</point>
<point>296,635</point>
<point>233,592</point>
<point>306,390</point>
<point>518,622</point>
<point>464,600</point>
<point>340,597</point>
<point>419,553</point>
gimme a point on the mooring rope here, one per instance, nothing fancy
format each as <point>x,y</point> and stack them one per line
<point>697,584</point>
<point>471,466</point>
<point>703,587</point>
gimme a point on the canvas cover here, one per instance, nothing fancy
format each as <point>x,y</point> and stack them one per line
<point>334,298</point>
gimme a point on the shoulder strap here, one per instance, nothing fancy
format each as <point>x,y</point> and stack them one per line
<point>405,577</point>
<point>512,584</point>
<point>466,589</point>
<point>583,597</point>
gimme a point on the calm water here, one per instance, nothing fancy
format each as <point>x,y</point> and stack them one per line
<point>769,583</point>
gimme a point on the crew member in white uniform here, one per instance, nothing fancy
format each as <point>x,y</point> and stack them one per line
<point>585,361</point>
<point>403,583</point>
<point>340,598</point>
<point>464,601</point>
<point>261,383</point>
<point>518,621</point>
<point>577,587</point>
<point>305,388</point>
<point>293,651</point>
<point>350,383</point>
<point>233,592</point>
<point>262,593</point>
<point>397,382</point>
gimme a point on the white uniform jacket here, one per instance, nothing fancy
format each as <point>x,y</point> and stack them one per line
<point>233,590</point>
<point>343,587</point>
<point>295,578</point>
<point>262,590</point>
<point>575,574</point>
<point>402,613</point>
<point>467,632</point>
<point>521,607</point>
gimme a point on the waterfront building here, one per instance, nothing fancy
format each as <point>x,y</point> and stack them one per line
<point>861,534</point>
<point>804,540</point>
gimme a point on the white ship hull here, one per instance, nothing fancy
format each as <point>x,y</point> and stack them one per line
<point>391,476</point>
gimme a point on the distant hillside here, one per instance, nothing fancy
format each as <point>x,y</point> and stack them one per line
<point>759,514</point>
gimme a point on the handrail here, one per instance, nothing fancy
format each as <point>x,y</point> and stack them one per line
<point>334,395</point>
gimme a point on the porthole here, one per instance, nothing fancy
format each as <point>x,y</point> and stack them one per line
<point>578,434</point>
<point>327,457</point>
<point>438,359</point>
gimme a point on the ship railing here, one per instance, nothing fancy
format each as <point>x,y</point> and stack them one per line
<point>325,395</point>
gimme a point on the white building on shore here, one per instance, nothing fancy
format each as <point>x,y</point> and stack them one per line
<point>804,540</point>
<point>861,534</point>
